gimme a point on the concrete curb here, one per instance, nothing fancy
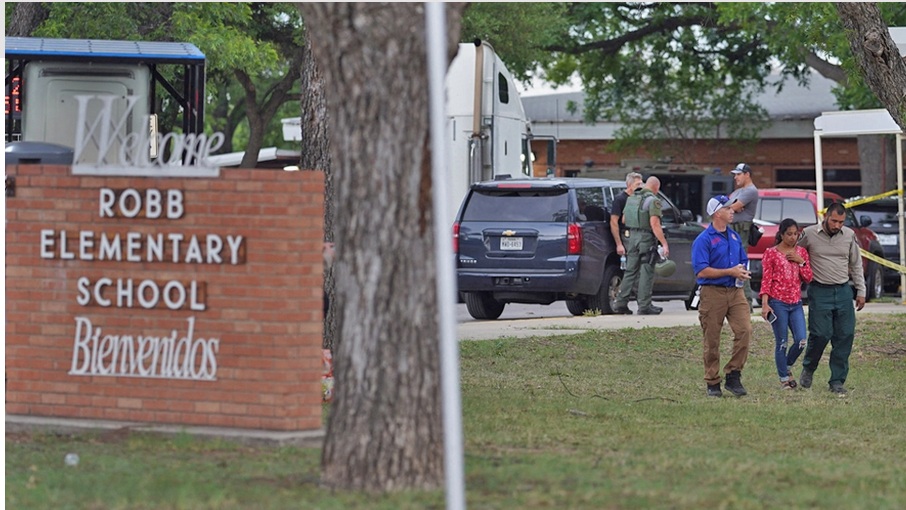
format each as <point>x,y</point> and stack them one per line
<point>306,439</point>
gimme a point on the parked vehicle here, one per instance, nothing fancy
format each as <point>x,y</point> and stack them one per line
<point>547,240</point>
<point>802,205</point>
<point>884,222</point>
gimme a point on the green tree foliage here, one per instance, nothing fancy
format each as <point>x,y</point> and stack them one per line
<point>518,32</point>
<point>678,71</point>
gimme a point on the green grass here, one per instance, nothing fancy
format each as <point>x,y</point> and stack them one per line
<point>605,419</point>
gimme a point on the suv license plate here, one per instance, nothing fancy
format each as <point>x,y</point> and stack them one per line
<point>887,239</point>
<point>510,243</point>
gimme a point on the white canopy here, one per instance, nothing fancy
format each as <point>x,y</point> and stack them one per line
<point>855,123</point>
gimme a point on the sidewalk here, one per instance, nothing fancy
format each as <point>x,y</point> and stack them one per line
<point>521,328</point>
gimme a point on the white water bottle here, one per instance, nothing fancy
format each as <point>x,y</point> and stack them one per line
<point>740,283</point>
<point>623,262</point>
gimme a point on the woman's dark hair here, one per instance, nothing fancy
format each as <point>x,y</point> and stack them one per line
<point>784,226</point>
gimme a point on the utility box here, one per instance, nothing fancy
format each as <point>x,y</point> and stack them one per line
<point>50,108</point>
<point>50,80</point>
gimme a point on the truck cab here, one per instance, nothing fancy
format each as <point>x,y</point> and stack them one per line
<point>487,129</point>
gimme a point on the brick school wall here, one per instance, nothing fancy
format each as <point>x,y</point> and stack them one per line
<point>187,301</point>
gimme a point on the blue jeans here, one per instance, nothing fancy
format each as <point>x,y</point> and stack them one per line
<point>790,317</point>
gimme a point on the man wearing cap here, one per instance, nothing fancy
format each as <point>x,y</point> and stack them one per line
<point>746,196</point>
<point>642,215</point>
<point>719,262</point>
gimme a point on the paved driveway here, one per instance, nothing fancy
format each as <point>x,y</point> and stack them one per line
<point>531,320</point>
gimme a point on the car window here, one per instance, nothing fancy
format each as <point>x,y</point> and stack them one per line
<point>591,204</point>
<point>850,220</point>
<point>878,216</point>
<point>610,193</point>
<point>517,205</point>
<point>801,210</point>
<point>668,215</point>
<point>775,210</point>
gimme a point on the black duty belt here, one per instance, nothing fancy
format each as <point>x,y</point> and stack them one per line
<point>827,285</point>
<point>640,230</point>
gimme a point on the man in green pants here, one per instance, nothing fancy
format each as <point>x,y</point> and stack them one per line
<point>834,253</point>
<point>642,215</point>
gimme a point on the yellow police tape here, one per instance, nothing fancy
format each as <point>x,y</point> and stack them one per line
<point>865,200</point>
<point>882,261</point>
<point>868,255</point>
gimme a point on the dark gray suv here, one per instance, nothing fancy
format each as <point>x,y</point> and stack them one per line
<point>546,240</point>
<point>882,216</point>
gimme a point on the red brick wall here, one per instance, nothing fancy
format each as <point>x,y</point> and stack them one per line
<point>765,157</point>
<point>262,316</point>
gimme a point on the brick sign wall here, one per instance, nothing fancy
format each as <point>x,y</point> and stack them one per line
<point>188,301</point>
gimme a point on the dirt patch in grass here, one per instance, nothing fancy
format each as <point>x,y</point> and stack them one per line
<point>893,350</point>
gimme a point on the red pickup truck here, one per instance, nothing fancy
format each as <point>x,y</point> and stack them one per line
<point>775,204</point>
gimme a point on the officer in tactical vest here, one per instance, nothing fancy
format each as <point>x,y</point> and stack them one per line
<point>642,215</point>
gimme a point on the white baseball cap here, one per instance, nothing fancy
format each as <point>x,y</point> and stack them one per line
<point>719,202</point>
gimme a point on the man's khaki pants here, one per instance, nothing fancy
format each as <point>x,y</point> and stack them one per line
<point>719,303</point>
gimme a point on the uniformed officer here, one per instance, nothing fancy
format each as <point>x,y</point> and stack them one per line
<point>642,215</point>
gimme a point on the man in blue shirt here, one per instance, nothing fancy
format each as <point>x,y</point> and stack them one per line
<point>719,261</point>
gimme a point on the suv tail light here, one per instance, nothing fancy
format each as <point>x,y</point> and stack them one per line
<point>456,237</point>
<point>574,239</point>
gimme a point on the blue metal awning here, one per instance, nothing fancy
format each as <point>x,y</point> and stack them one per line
<point>187,88</point>
<point>102,50</point>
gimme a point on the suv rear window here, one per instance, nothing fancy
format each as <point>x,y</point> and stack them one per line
<point>776,209</point>
<point>518,205</point>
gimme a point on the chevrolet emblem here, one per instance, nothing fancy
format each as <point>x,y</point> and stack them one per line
<point>509,232</point>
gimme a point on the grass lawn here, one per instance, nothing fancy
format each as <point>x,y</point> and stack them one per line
<point>606,419</point>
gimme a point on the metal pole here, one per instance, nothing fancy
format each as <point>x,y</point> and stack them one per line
<point>902,220</point>
<point>819,172</point>
<point>436,30</point>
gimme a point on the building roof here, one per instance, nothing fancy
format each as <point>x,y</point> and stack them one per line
<point>101,50</point>
<point>794,104</point>
<point>794,101</point>
<point>268,157</point>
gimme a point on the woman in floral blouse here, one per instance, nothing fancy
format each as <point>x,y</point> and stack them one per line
<point>785,267</point>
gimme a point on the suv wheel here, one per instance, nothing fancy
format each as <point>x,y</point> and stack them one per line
<point>576,306</point>
<point>607,294</point>
<point>482,306</point>
<point>874,281</point>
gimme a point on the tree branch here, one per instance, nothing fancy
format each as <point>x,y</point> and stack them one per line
<point>612,46</point>
<point>826,69</point>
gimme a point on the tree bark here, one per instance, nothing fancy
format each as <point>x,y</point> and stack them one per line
<point>880,62</point>
<point>25,19</point>
<point>315,144</point>
<point>260,115</point>
<point>385,430</point>
<point>878,160</point>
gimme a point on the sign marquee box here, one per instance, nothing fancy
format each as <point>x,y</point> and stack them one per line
<point>167,300</point>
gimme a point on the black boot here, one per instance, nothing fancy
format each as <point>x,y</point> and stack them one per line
<point>734,384</point>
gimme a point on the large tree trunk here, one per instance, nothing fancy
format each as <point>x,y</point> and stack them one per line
<point>315,146</point>
<point>385,430</point>
<point>878,161</point>
<point>26,17</point>
<point>879,60</point>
